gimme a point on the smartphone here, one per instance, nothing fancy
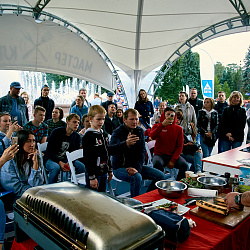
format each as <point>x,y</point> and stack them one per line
<point>14,140</point>
<point>13,119</point>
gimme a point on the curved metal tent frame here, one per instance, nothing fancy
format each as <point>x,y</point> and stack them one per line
<point>207,34</point>
<point>40,16</point>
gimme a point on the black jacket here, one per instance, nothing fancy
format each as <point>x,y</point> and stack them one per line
<point>110,125</point>
<point>50,106</point>
<point>233,121</point>
<point>197,104</point>
<point>203,120</point>
<point>95,153</point>
<point>123,156</point>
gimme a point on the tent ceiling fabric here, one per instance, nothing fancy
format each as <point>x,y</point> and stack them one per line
<point>140,35</point>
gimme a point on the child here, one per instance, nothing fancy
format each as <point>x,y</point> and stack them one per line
<point>95,151</point>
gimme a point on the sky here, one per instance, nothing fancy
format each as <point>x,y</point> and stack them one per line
<point>227,49</point>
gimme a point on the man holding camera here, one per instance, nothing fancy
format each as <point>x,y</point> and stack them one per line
<point>128,149</point>
<point>169,144</point>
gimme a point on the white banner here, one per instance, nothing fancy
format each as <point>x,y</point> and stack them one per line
<point>207,74</point>
<point>48,47</point>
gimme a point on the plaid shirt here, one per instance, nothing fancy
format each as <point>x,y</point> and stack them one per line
<point>39,132</point>
<point>53,125</point>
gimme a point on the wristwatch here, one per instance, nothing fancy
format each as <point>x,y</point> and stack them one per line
<point>237,199</point>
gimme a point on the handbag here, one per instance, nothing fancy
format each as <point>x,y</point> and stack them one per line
<point>191,149</point>
<point>209,141</point>
<point>176,227</point>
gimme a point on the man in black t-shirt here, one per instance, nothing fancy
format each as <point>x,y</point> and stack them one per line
<point>60,141</point>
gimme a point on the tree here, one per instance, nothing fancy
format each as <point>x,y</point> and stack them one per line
<point>217,86</point>
<point>246,72</point>
<point>171,84</point>
<point>190,71</point>
<point>57,79</point>
<point>226,89</point>
<point>218,70</point>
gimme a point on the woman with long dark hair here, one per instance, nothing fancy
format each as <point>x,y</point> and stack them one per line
<point>22,172</point>
<point>207,124</point>
<point>233,122</point>
<point>145,108</point>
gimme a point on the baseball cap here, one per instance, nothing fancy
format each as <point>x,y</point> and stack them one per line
<point>16,85</point>
<point>110,94</point>
<point>44,86</point>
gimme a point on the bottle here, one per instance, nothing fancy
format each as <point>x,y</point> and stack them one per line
<point>227,176</point>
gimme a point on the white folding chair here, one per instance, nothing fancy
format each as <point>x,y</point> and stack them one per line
<point>75,178</point>
<point>42,148</point>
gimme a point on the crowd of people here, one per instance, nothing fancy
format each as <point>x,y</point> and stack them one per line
<point>113,140</point>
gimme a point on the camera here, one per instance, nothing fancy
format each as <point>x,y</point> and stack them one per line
<point>172,115</point>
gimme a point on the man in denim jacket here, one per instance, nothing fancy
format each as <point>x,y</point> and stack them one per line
<point>14,104</point>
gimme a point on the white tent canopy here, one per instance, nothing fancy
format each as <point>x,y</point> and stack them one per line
<point>139,36</point>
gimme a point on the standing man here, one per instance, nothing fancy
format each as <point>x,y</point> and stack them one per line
<point>128,149</point>
<point>197,104</point>
<point>60,141</point>
<point>83,93</point>
<point>38,126</point>
<point>110,96</point>
<point>15,105</point>
<point>111,122</point>
<point>45,102</point>
<point>219,107</point>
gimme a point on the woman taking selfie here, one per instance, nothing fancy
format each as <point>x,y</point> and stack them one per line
<point>207,124</point>
<point>6,130</point>
<point>22,172</point>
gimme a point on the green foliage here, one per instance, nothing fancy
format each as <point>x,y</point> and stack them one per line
<point>219,69</point>
<point>190,70</point>
<point>246,72</point>
<point>226,89</point>
<point>57,79</point>
<point>185,71</point>
<point>217,86</point>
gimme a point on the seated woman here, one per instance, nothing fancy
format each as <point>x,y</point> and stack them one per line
<point>7,155</point>
<point>191,153</point>
<point>86,125</point>
<point>56,121</point>
<point>22,172</point>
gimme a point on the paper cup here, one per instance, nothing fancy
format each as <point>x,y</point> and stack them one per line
<point>188,173</point>
<point>201,174</point>
<point>194,177</point>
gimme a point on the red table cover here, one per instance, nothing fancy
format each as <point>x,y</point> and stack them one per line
<point>208,235</point>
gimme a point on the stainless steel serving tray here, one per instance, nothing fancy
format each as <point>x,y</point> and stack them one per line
<point>85,215</point>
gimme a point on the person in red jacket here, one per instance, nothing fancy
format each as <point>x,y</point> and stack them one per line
<point>169,144</point>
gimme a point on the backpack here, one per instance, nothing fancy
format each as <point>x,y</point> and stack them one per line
<point>176,227</point>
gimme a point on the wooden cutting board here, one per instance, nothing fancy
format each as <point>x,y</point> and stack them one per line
<point>231,220</point>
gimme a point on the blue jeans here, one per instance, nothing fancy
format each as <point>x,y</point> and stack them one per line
<point>161,161</point>
<point>54,169</point>
<point>102,182</point>
<point>195,160</point>
<point>2,222</point>
<point>135,180</point>
<point>228,145</point>
<point>206,150</point>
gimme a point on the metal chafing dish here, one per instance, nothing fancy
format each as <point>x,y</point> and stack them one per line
<point>66,216</point>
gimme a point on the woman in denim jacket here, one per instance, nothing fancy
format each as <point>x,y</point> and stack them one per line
<point>22,172</point>
<point>207,124</point>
